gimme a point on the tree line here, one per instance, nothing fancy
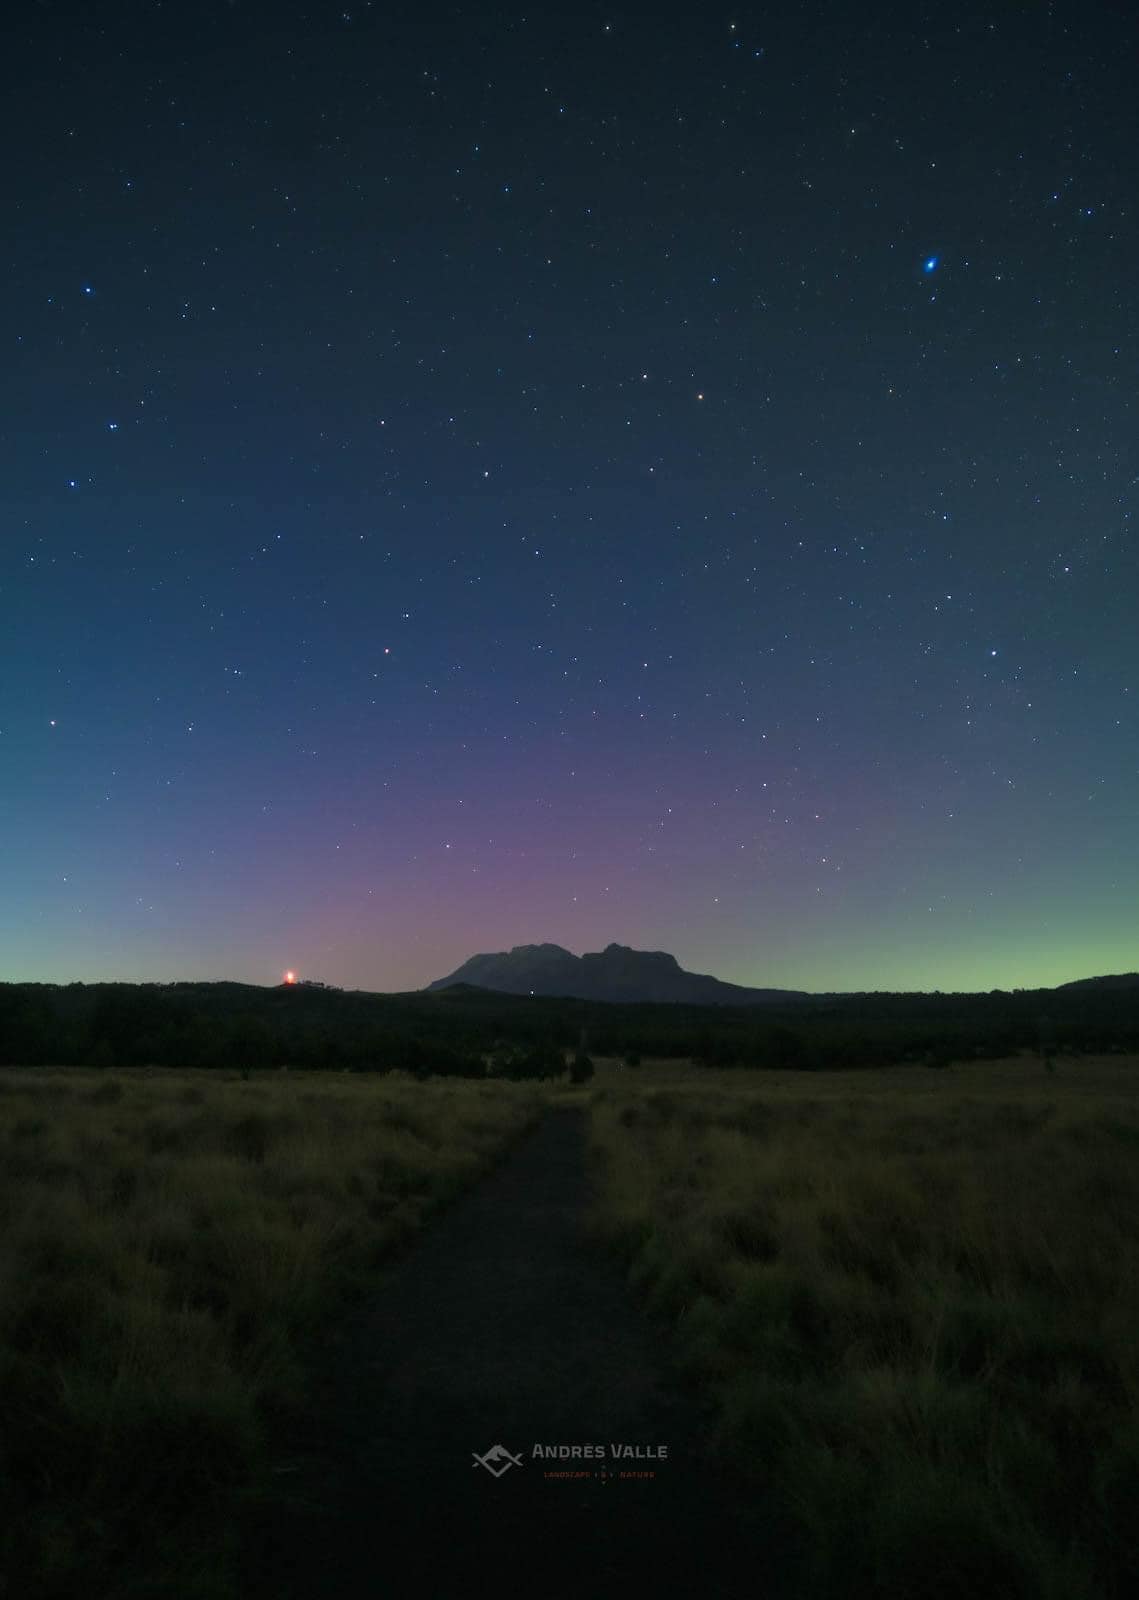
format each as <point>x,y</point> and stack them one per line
<point>474,1033</point>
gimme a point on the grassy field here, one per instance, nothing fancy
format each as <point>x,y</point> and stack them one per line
<point>913,1297</point>
<point>170,1245</point>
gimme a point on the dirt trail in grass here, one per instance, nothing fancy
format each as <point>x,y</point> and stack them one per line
<point>502,1326</point>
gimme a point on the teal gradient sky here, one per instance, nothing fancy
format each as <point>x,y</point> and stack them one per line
<point>478,479</point>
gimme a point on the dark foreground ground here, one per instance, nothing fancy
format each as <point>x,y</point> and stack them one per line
<point>502,1328</point>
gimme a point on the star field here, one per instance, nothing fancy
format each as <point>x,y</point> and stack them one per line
<point>474,478</point>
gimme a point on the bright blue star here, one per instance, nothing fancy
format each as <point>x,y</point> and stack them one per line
<point>930,263</point>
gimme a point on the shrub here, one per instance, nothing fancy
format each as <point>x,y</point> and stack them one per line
<point>582,1068</point>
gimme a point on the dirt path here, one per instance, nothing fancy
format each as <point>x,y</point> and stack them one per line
<point>501,1327</point>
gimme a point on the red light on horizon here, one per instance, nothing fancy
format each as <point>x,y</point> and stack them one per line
<point>290,977</point>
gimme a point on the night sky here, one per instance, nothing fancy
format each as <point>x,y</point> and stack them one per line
<point>474,478</point>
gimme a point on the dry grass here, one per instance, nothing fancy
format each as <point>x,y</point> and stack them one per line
<point>169,1242</point>
<point>913,1296</point>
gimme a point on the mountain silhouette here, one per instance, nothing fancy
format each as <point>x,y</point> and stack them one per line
<point>1115,980</point>
<point>616,973</point>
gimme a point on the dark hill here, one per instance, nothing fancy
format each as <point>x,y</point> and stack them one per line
<point>616,973</point>
<point>1119,980</point>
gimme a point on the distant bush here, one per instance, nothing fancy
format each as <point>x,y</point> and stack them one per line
<point>1046,1040</point>
<point>582,1068</point>
<point>780,1049</point>
<point>436,1060</point>
<point>541,1061</point>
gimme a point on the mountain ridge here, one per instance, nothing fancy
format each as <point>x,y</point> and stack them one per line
<point>617,973</point>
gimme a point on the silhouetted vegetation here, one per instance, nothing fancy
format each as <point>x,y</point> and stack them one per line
<point>581,1069</point>
<point>533,1062</point>
<point>472,1033</point>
